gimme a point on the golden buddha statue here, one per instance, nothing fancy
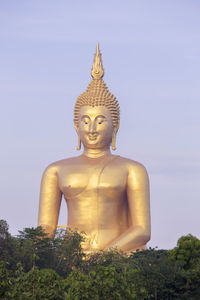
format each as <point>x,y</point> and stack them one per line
<point>107,195</point>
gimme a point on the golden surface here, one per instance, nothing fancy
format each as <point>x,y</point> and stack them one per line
<point>107,195</point>
<point>97,68</point>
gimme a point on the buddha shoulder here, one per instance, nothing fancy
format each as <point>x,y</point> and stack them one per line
<point>55,167</point>
<point>132,166</point>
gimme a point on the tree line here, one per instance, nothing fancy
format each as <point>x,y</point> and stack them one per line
<point>33,266</point>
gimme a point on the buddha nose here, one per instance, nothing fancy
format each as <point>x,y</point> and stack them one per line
<point>92,127</point>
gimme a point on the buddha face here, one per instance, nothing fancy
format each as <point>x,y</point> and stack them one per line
<point>95,127</point>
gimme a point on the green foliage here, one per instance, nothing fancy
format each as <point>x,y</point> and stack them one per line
<point>36,285</point>
<point>99,284</point>
<point>112,258</point>
<point>68,253</point>
<point>33,266</point>
<point>33,248</point>
<point>5,279</point>
<point>7,245</point>
<point>4,229</point>
<point>187,252</point>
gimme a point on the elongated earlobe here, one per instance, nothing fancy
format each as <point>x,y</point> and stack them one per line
<point>79,143</point>
<point>114,141</point>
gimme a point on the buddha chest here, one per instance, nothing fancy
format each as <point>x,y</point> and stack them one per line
<point>89,179</point>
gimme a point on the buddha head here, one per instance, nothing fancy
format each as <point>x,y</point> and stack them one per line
<point>96,112</point>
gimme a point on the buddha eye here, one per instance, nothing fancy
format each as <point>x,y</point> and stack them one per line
<point>100,121</point>
<point>85,121</point>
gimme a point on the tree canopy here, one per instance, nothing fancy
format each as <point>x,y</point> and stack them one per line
<point>33,266</point>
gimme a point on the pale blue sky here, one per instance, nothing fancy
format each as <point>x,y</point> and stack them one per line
<point>150,51</point>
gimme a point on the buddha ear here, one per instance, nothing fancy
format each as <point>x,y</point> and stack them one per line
<point>114,136</point>
<point>79,143</point>
<point>79,139</point>
<point>76,126</point>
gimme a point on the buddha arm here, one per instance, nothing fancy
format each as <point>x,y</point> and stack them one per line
<point>138,233</point>
<point>50,199</point>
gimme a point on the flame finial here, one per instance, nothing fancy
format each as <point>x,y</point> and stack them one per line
<point>97,68</point>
